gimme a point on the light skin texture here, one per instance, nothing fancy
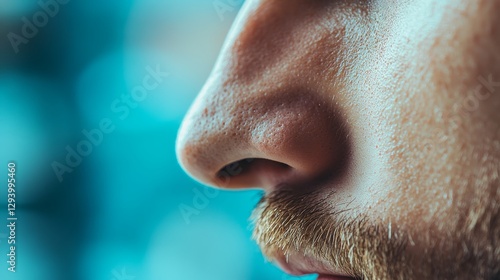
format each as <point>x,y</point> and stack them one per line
<point>372,126</point>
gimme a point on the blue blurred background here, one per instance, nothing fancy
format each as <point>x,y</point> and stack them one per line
<point>125,210</point>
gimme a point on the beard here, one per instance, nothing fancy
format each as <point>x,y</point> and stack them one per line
<point>288,223</point>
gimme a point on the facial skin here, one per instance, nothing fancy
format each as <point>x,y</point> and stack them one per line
<point>372,126</point>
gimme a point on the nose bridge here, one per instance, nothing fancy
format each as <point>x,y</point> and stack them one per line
<point>272,37</point>
<point>257,44</point>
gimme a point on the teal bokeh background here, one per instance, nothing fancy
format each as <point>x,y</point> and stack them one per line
<point>118,212</point>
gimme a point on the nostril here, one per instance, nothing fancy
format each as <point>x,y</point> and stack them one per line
<point>252,172</point>
<point>234,169</point>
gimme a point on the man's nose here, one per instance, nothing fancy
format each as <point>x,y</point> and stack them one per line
<point>261,120</point>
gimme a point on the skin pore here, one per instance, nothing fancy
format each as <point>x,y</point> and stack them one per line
<point>373,127</point>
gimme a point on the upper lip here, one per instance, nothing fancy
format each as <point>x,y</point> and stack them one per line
<point>297,264</point>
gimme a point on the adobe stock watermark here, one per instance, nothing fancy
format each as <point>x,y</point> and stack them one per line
<point>224,6</point>
<point>121,275</point>
<point>201,199</point>
<point>48,9</point>
<point>482,92</point>
<point>121,107</point>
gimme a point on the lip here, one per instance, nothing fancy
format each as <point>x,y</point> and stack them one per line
<point>297,264</point>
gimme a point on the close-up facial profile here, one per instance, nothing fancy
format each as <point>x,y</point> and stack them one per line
<point>249,140</point>
<point>372,127</point>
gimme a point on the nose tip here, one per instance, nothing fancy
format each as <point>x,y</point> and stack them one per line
<point>262,142</point>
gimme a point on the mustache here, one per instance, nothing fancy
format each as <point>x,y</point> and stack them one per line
<point>287,222</point>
